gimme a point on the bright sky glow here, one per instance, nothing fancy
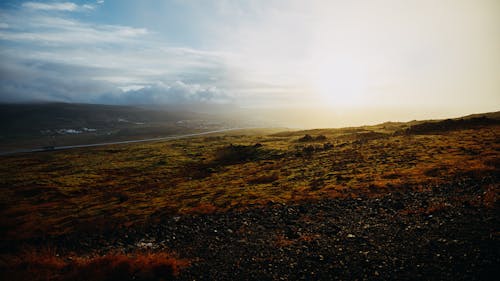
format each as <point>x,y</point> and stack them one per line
<point>440,55</point>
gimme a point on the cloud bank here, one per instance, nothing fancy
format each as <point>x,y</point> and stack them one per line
<point>54,57</point>
<point>336,54</point>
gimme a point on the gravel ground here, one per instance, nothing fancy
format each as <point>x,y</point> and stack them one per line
<point>443,233</point>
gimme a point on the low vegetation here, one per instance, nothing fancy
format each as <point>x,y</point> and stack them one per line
<point>94,189</point>
<point>47,265</point>
<point>308,138</point>
<point>104,189</point>
<point>451,125</point>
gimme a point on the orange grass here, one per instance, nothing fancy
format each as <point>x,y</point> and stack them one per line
<point>97,189</point>
<point>47,265</point>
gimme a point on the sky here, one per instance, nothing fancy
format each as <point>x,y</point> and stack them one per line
<point>414,58</point>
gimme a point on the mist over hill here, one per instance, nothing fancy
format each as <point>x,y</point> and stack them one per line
<point>32,125</point>
<point>49,124</point>
<point>18,118</point>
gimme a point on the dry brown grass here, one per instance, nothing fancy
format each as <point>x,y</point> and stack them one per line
<point>97,189</point>
<point>45,265</point>
<point>281,241</point>
<point>490,197</point>
<point>202,208</point>
<point>264,178</point>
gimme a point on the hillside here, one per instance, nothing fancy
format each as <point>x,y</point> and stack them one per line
<point>366,203</point>
<point>441,126</point>
<point>34,117</point>
<point>35,125</point>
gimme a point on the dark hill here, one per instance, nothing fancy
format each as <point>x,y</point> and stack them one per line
<point>30,118</point>
<point>451,125</point>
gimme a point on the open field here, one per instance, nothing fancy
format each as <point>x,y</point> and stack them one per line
<point>419,201</point>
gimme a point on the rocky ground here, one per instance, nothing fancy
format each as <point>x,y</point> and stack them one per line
<point>445,232</point>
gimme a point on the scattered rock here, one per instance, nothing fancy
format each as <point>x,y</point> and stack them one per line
<point>388,237</point>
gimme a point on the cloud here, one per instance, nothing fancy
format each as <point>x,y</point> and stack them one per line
<point>55,56</point>
<point>56,30</point>
<point>358,53</point>
<point>62,79</point>
<point>29,80</point>
<point>81,34</point>
<point>87,7</point>
<point>63,6</point>
<point>177,92</point>
<point>60,58</point>
<point>255,52</point>
<point>34,80</point>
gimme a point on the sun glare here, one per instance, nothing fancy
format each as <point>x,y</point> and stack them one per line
<point>339,83</point>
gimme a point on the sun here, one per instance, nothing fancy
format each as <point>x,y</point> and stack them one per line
<point>339,83</point>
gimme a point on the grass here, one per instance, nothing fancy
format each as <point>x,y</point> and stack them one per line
<point>45,265</point>
<point>96,189</point>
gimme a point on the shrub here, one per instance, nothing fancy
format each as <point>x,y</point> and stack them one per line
<point>203,208</point>
<point>264,178</point>
<point>320,138</point>
<point>233,154</point>
<point>327,146</point>
<point>308,137</point>
<point>309,149</point>
<point>46,265</point>
<point>195,170</point>
<point>306,150</point>
<point>150,266</point>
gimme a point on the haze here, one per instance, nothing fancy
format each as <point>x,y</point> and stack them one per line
<point>301,63</point>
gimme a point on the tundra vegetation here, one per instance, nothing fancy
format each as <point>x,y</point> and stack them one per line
<point>49,196</point>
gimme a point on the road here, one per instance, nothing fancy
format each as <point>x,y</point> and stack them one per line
<point>55,148</point>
